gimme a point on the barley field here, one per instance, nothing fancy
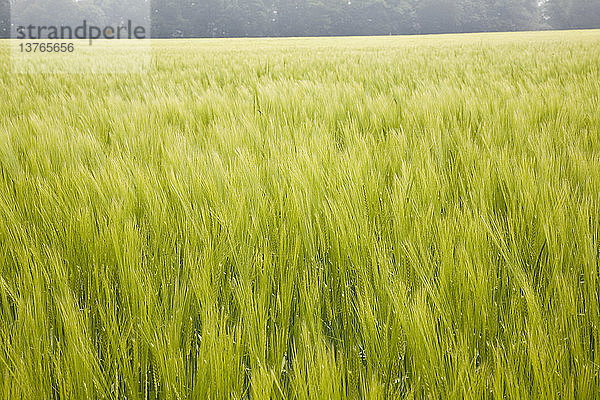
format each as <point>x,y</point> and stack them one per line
<point>325,218</point>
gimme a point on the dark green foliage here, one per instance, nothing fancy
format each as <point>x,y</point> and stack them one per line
<point>569,14</point>
<point>339,17</point>
<point>4,19</point>
<point>239,18</point>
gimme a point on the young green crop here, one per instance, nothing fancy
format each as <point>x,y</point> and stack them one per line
<point>306,218</point>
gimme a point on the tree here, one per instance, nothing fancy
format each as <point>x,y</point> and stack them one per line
<point>437,16</point>
<point>210,18</point>
<point>245,18</point>
<point>572,14</point>
<point>4,19</point>
<point>167,19</point>
<point>514,15</point>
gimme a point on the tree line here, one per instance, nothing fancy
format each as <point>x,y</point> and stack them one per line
<point>241,18</point>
